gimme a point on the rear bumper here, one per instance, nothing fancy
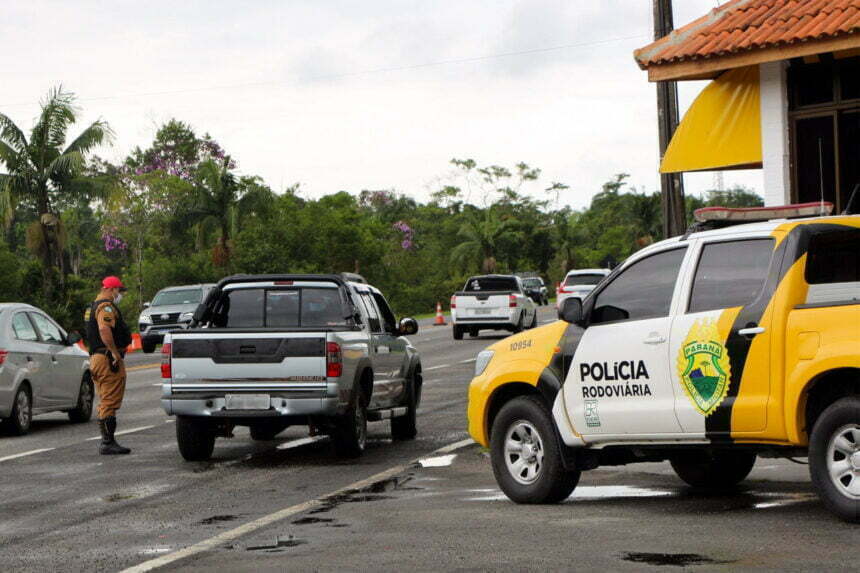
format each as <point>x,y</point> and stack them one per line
<point>280,406</point>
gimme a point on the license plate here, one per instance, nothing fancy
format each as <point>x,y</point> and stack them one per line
<point>483,311</point>
<point>247,401</point>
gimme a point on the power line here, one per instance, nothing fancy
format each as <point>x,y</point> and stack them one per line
<point>354,74</point>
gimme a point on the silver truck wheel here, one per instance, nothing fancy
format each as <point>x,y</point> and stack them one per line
<point>195,437</point>
<point>350,432</point>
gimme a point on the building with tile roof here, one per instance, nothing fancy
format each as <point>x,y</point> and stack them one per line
<point>785,95</point>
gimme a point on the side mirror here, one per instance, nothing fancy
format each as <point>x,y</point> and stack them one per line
<point>407,327</point>
<point>147,304</point>
<point>571,311</point>
<point>73,338</point>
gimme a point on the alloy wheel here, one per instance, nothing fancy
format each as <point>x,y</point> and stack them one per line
<point>843,460</point>
<point>524,452</point>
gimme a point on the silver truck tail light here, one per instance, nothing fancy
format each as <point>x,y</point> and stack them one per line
<point>166,366</point>
<point>333,360</point>
<point>453,302</point>
<point>513,301</point>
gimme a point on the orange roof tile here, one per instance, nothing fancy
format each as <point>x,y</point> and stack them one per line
<point>749,25</point>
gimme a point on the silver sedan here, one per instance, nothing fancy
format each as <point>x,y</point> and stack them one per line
<point>41,369</point>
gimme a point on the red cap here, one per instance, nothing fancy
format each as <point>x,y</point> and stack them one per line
<point>112,282</point>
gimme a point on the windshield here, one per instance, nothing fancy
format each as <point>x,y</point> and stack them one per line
<point>491,283</point>
<point>260,307</point>
<point>178,296</point>
<point>590,279</point>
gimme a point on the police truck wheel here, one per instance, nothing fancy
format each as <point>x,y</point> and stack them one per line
<point>84,410</point>
<point>350,432</point>
<point>406,427</point>
<point>148,347</point>
<point>458,333</point>
<point>834,458</point>
<point>195,437</point>
<point>526,454</point>
<point>18,422</point>
<point>720,469</point>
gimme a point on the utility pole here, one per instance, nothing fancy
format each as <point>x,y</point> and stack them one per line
<point>671,184</point>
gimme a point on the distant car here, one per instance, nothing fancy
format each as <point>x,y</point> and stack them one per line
<point>536,290</point>
<point>492,302</point>
<point>579,283</point>
<point>41,369</point>
<point>171,309</point>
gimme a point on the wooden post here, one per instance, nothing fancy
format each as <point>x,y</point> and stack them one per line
<point>671,184</point>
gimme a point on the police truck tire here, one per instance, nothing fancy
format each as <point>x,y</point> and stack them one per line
<point>18,422</point>
<point>719,469</point>
<point>834,458</point>
<point>406,427</point>
<point>458,333</point>
<point>83,411</point>
<point>536,475</point>
<point>350,432</point>
<point>195,437</point>
<point>148,347</point>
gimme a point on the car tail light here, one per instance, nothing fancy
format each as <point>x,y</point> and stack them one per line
<point>453,302</point>
<point>333,360</point>
<point>513,301</point>
<point>562,289</point>
<point>166,355</point>
<point>3,355</point>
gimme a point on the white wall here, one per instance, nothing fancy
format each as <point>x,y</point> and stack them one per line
<point>774,133</point>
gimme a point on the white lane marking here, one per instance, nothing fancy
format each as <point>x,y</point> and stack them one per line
<point>23,454</point>
<point>436,367</point>
<point>301,442</point>
<point>437,461</point>
<point>261,522</point>
<point>124,432</point>
<point>158,384</point>
<point>548,321</point>
<point>467,361</point>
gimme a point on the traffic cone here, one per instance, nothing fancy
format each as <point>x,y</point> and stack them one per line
<point>440,318</point>
<point>136,343</point>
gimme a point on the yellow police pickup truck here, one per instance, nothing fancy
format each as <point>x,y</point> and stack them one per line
<point>705,350</point>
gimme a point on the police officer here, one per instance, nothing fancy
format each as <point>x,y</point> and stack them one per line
<point>107,338</point>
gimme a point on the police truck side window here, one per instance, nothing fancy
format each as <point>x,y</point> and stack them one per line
<point>643,290</point>
<point>730,274</point>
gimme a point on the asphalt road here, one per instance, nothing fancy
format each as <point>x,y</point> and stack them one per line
<point>269,505</point>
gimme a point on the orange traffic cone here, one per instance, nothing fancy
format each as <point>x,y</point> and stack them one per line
<point>136,343</point>
<point>440,318</point>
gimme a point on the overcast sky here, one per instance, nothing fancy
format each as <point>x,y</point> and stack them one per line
<point>352,95</point>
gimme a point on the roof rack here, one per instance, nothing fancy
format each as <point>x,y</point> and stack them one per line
<point>709,218</point>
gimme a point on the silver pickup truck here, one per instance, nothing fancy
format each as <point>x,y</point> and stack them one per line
<point>272,351</point>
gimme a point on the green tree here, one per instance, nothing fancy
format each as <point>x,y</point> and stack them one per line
<point>482,234</point>
<point>40,170</point>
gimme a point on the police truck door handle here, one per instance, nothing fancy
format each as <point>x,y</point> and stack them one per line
<point>654,338</point>
<point>751,330</point>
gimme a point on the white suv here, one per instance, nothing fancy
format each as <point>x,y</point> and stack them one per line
<point>579,283</point>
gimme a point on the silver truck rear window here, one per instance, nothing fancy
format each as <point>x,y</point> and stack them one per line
<point>490,283</point>
<point>284,307</point>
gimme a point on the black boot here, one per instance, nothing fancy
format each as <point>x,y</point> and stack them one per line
<point>108,446</point>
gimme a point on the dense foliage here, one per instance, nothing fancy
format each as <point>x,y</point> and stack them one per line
<point>178,213</point>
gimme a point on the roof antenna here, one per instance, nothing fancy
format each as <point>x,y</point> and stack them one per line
<point>849,207</point>
<point>821,174</point>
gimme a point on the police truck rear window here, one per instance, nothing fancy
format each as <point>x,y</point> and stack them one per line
<point>491,284</point>
<point>284,308</point>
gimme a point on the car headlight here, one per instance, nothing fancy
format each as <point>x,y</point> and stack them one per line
<point>483,360</point>
<point>145,319</point>
<point>186,317</point>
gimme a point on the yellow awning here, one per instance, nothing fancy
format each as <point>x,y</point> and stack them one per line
<point>722,129</point>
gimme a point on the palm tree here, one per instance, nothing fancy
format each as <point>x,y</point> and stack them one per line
<point>218,201</point>
<point>39,169</point>
<point>483,236</point>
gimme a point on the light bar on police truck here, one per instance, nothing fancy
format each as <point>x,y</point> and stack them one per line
<point>752,214</point>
